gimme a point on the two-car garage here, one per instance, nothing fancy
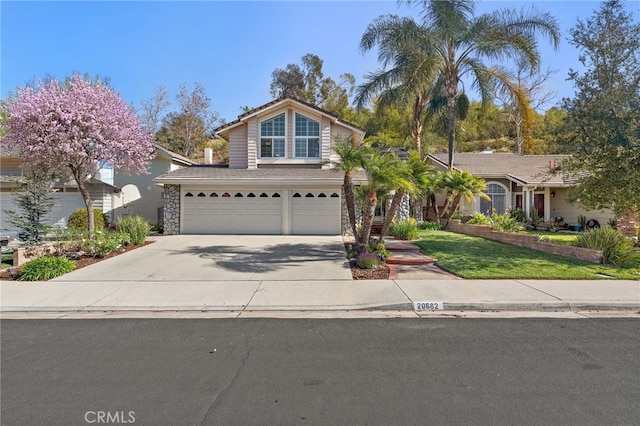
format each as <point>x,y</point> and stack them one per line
<point>297,211</point>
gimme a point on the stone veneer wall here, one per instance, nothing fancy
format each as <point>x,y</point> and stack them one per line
<point>171,209</point>
<point>403,210</point>
<point>628,224</point>
<point>529,241</point>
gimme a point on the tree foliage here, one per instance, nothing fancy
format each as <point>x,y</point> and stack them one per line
<point>308,83</point>
<point>71,128</point>
<point>34,200</point>
<point>603,118</point>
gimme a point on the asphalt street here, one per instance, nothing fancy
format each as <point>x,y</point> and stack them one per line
<point>320,372</point>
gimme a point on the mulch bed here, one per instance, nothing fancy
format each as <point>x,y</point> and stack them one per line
<point>84,260</point>
<point>380,273</point>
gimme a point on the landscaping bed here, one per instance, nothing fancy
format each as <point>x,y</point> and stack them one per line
<point>83,260</point>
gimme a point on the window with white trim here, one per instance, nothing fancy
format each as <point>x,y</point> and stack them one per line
<point>307,139</point>
<point>272,136</point>
<point>498,200</point>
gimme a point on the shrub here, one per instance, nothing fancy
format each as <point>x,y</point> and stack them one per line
<point>104,243</point>
<point>381,251</point>
<point>367,261</point>
<point>430,226</point>
<point>519,215</point>
<point>505,223</point>
<point>157,227</point>
<point>479,219</point>
<point>616,247</point>
<point>46,268</point>
<point>79,220</point>
<point>136,227</point>
<point>405,229</point>
<point>582,221</point>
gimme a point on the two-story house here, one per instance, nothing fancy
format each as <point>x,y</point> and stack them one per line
<point>280,179</point>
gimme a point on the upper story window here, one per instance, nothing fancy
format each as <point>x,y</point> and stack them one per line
<point>307,139</point>
<point>272,136</point>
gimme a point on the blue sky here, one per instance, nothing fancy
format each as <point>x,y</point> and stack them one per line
<point>231,48</point>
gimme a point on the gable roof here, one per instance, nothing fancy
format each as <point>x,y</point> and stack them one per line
<point>281,101</point>
<point>522,169</point>
<point>176,158</point>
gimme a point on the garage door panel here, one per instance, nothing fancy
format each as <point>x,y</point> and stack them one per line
<point>231,214</point>
<point>316,213</point>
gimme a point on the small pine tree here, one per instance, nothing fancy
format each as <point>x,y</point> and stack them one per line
<point>34,200</point>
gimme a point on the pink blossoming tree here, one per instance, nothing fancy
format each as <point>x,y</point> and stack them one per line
<point>72,128</point>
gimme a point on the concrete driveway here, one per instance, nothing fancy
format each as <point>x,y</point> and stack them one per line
<point>225,258</point>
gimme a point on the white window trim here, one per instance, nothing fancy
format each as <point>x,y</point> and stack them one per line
<point>507,195</point>
<point>267,118</point>
<point>296,136</point>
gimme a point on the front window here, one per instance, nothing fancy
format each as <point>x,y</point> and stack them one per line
<point>307,140</point>
<point>498,201</point>
<point>272,135</point>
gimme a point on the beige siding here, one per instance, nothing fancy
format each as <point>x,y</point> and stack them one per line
<point>252,143</point>
<point>570,212</point>
<point>238,148</point>
<point>10,166</point>
<point>325,143</point>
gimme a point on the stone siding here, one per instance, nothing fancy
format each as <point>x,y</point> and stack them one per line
<point>345,225</point>
<point>628,224</point>
<point>171,209</point>
<point>529,241</point>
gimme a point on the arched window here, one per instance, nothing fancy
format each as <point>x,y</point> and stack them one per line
<point>201,194</point>
<point>226,195</point>
<point>296,195</point>
<point>334,195</point>
<point>188,194</point>
<point>498,199</point>
<point>238,195</point>
<point>213,194</point>
<point>263,195</point>
<point>322,195</point>
<point>251,195</point>
<point>276,195</point>
<point>309,195</point>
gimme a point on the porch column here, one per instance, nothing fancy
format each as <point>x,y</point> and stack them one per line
<point>526,201</point>
<point>547,204</point>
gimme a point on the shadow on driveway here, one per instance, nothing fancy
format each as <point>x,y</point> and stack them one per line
<point>268,258</point>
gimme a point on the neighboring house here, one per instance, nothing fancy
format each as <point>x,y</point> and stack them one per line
<point>280,178</point>
<point>139,194</point>
<point>67,196</point>
<point>520,181</point>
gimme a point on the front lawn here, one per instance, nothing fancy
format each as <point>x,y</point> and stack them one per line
<point>478,258</point>
<point>564,238</point>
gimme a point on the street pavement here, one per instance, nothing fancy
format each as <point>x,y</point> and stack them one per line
<point>248,274</point>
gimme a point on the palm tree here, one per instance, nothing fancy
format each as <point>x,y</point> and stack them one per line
<point>384,173</point>
<point>459,42</point>
<point>350,159</point>
<point>411,76</point>
<point>459,184</point>
<point>414,173</point>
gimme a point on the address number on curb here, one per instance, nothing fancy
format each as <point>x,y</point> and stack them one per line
<point>428,306</point>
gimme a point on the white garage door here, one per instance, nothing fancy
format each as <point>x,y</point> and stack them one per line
<point>232,212</point>
<point>315,213</point>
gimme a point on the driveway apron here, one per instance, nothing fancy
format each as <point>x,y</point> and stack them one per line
<point>225,258</point>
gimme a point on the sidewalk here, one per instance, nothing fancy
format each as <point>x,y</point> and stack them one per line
<point>320,295</point>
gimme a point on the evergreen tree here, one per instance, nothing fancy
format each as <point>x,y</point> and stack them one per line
<point>603,118</point>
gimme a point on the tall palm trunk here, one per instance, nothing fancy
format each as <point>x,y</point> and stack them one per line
<point>369,213</point>
<point>450,210</point>
<point>417,123</point>
<point>451,88</point>
<point>391,213</point>
<point>351,203</point>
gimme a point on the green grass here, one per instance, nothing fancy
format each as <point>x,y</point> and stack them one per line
<point>7,260</point>
<point>555,237</point>
<point>478,258</point>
